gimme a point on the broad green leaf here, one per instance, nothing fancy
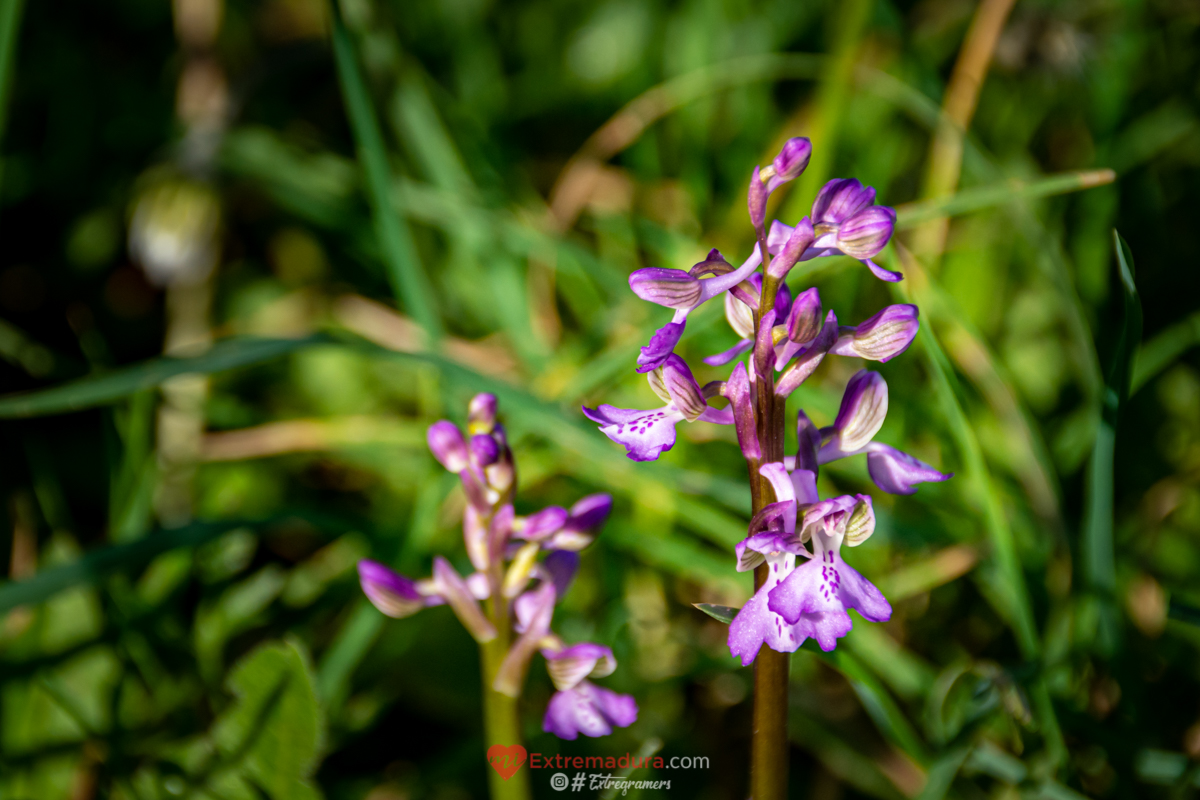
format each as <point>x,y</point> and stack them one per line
<point>97,390</point>
<point>271,735</point>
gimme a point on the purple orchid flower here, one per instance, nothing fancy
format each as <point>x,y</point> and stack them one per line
<point>881,337</point>
<point>861,415</point>
<point>684,292</point>
<point>588,709</point>
<point>647,434</point>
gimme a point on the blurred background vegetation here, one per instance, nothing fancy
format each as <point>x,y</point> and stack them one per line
<point>337,244</point>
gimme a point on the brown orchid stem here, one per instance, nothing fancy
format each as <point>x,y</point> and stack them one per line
<point>769,745</point>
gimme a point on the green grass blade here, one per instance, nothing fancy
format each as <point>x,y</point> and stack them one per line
<point>98,390</point>
<point>10,25</point>
<point>1099,564</point>
<point>395,240</point>
<point>1163,350</point>
<point>979,198</point>
<point>100,564</point>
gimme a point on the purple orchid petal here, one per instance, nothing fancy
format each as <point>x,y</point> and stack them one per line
<point>737,390</point>
<point>511,674</point>
<point>778,236</point>
<point>764,352</point>
<point>899,473</point>
<point>588,709</point>
<point>867,232</point>
<point>682,388</point>
<point>754,549</point>
<point>481,413</point>
<point>881,273</point>
<point>538,526</point>
<point>817,594</point>
<point>452,587</point>
<point>804,320</point>
<point>801,238</point>
<point>804,484</point>
<point>447,445</point>
<point>673,288</point>
<point>484,450</point>
<point>569,666</point>
<point>660,347</point>
<point>756,625</point>
<point>721,359</point>
<point>645,434</point>
<point>883,336</point>
<point>841,199</point>
<point>389,591</point>
<point>808,440</point>
<point>589,512</point>
<point>864,407</point>
<point>781,483</point>
<point>560,568</point>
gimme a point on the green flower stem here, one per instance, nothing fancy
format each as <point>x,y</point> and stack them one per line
<point>501,720</point>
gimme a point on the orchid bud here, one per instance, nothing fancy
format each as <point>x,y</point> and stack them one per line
<point>538,526</point>
<point>740,316</point>
<point>883,336</point>
<point>447,445</point>
<point>861,523</point>
<point>589,512</point>
<point>389,591</point>
<point>672,288</point>
<point>867,232</point>
<point>757,199</point>
<point>484,450</point>
<point>864,406</point>
<point>841,199</point>
<point>793,158</point>
<point>481,414</point>
<point>804,321</point>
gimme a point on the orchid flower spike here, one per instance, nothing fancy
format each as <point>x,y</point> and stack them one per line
<point>861,415</point>
<point>647,434</point>
<point>684,292</point>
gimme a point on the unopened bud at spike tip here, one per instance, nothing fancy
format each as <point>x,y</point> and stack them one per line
<point>481,413</point>
<point>447,445</point>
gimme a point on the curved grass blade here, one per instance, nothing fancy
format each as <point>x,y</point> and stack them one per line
<point>1162,351</point>
<point>978,198</point>
<point>399,251</point>
<point>1098,557</point>
<point>98,390</point>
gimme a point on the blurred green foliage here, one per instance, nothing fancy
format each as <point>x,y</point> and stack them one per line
<point>449,178</point>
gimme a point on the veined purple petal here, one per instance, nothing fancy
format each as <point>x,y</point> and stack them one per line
<point>673,288</point>
<point>447,445</point>
<point>754,549</point>
<point>841,199</point>
<point>588,709</point>
<point>899,473</point>
<point>817,594</point>
<point>764,349</point>
<point>388,590</point>
<point>883,336</point>
<point>682,388</point>
<point>864,407</point>
<point>867,232</point>
<point>809,359</point>
<point>778,236</point>
<point>737,390</point>
<point>645,434</point>
<point>808,440</point>
<point>721,359</point>
<point>569,666</point>
<point>777,475</point>
<point>756,625</point>
<point>511,674</point>
<point>452,587</point>
<point>661,345</point>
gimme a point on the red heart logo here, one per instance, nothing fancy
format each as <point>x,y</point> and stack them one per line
<point>506,759</point>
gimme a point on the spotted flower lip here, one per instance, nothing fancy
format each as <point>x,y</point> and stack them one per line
<point>648,434</point>
<point>588,709</point>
